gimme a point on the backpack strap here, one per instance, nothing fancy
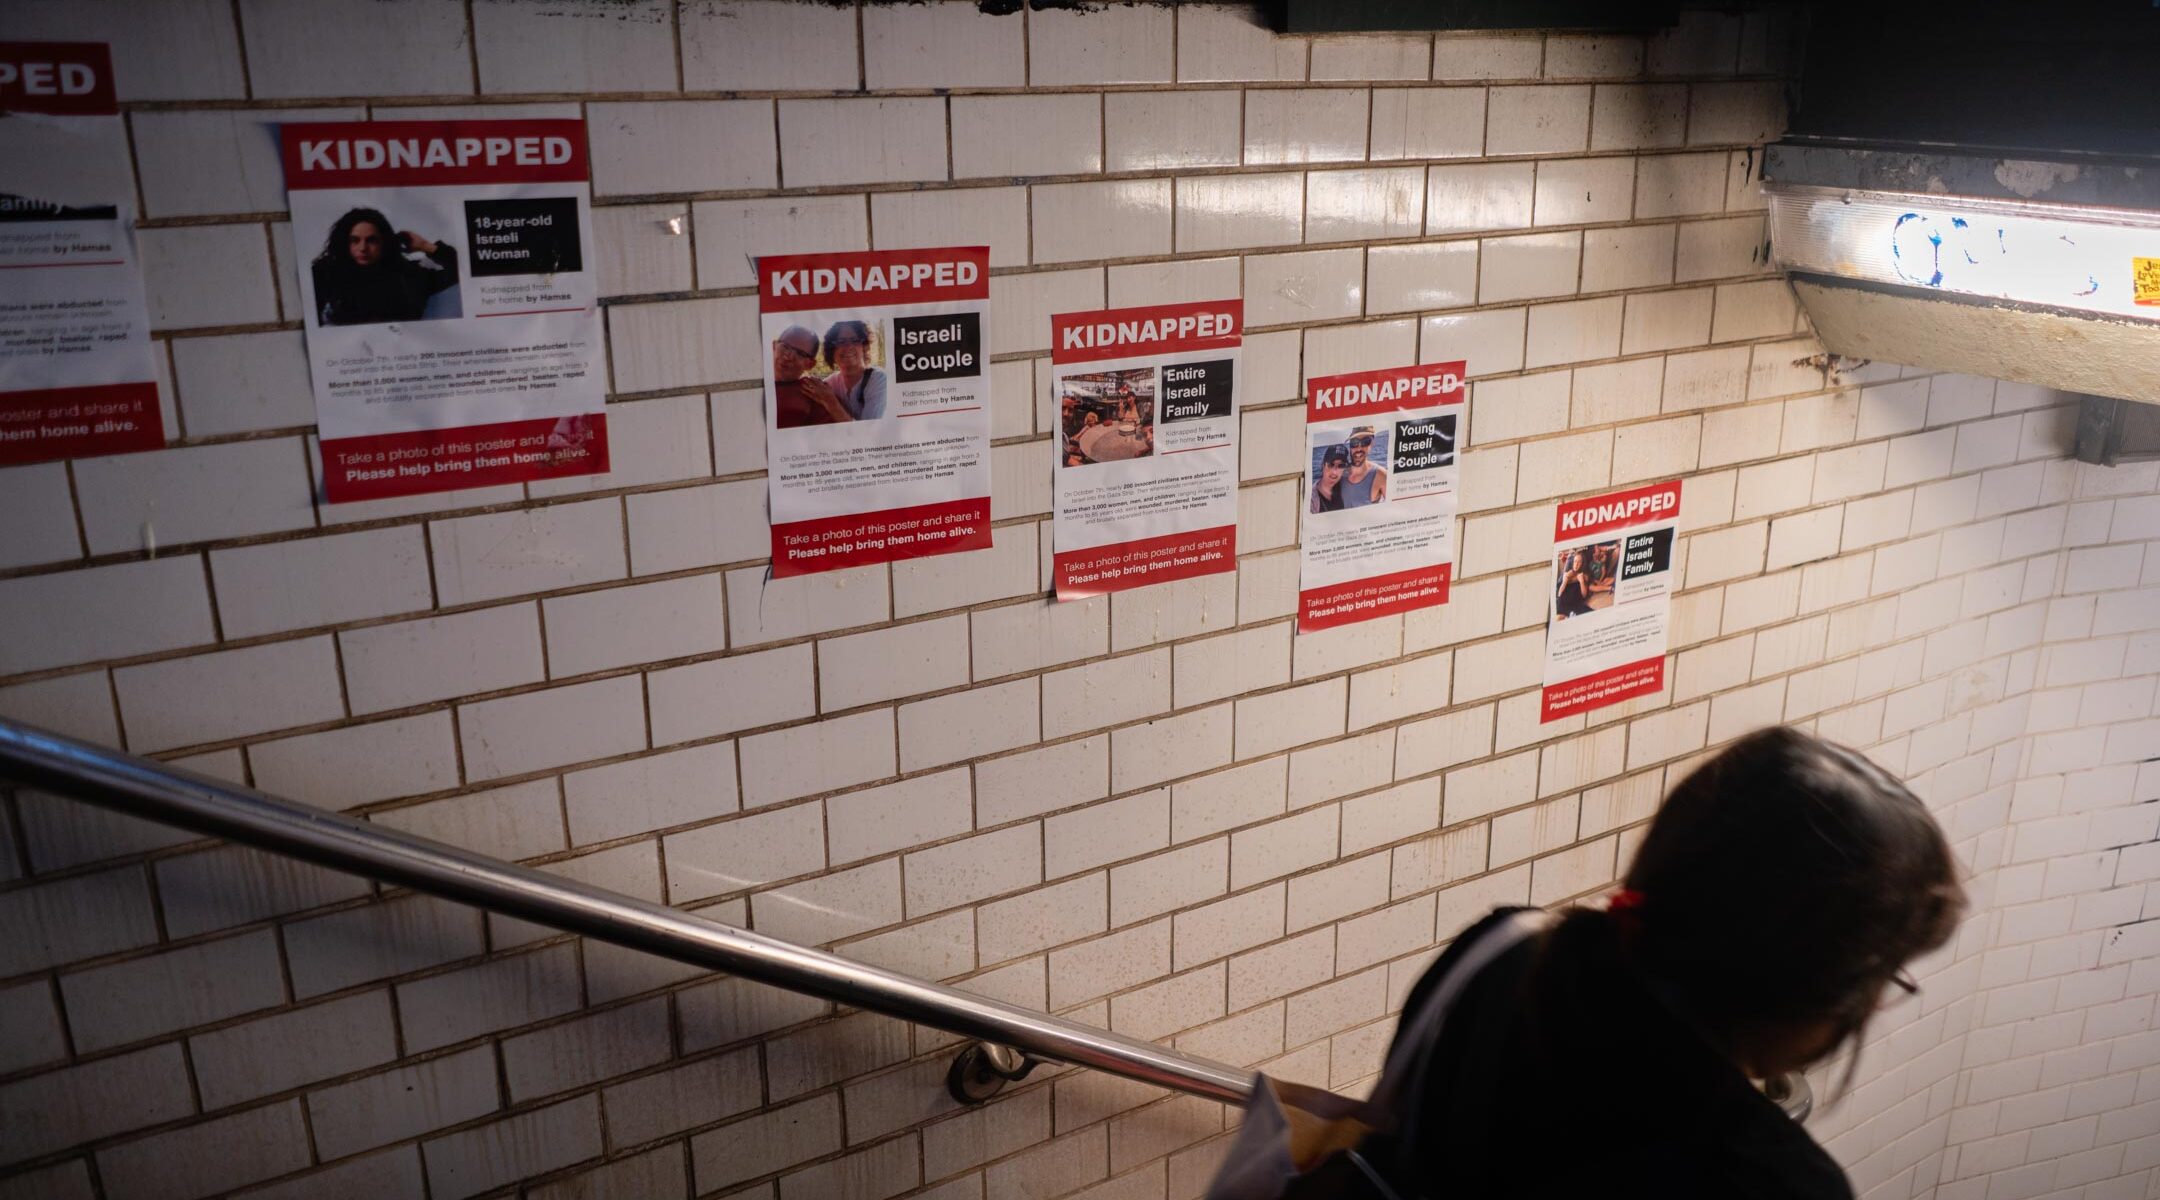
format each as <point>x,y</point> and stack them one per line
<point>1402,1081</point>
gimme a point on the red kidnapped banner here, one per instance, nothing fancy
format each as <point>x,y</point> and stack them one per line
<point>1623,682</point>
<point>77,422</point>
<point>1378,596</point>
<point>1122,565</point>
<point>1363,393</point>
<point>387,154</point>
<point>436,460</point>
<point>1617,510</point>
<point>800,282</point>
<point>859,539</point>
<point>64,79</point>
<point>1136,332</point>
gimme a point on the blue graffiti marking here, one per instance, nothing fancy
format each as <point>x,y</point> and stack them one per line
<point>1897,253</point>
<point>2092,285</point>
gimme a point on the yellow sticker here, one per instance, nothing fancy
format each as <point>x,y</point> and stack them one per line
<point>2145,280</point>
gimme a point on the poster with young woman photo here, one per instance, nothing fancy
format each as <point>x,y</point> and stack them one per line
<point>452,320</point>
<point>1379,522</point>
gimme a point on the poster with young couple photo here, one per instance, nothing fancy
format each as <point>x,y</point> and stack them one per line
<point>877,405</point>
<point>450,302</point>
<point>1379,520</point>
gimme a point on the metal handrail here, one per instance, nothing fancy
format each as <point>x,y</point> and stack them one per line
<point>160,792</point>
<point>1012,1038</point>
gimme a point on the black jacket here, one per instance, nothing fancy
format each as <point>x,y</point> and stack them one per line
<point>1559,1075</point>
<point>396,291</point>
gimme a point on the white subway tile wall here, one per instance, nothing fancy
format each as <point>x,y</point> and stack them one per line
<point>1162,811</point>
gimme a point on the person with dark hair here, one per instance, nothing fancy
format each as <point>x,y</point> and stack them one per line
<point>1573,596</point>
<point>1769,912</point>
<point>1327,491</point>
<point>799,397</point>
<point>859,386</point>
<point>362,276</point>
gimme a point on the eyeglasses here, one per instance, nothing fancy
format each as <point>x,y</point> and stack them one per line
<point>1904,982</point>
<point>805,355</point>
<point>1361,441</point>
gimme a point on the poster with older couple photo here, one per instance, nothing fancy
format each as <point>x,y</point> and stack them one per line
<point>451,315</point>
<point>1379,521</point>
<point>829,378</point>
<point>1611,589</point>
<point>877,405</point>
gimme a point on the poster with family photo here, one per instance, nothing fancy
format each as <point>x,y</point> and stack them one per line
<point>1107,416</point>
<point>877,405</point>
<point>1380,493</point>
<point>1611,589</point>
<point>76,373</point>
<point>449,302</point>
<point>1144,487</point>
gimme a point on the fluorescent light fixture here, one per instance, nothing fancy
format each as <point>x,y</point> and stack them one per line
<point>2060,256</point>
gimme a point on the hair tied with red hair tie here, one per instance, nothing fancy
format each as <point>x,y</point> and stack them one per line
<point>1626,904</point>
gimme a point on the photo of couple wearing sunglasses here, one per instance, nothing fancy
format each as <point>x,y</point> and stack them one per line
<point>1349,474</point>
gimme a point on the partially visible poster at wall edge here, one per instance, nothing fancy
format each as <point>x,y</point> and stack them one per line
<point>1145,466</point>
<point>1378,524</point>
<point>1610,608</point>
<point>450,302</point>
<point>76,373</point>
<point>877,405</point>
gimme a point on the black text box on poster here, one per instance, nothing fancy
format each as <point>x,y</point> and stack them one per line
<point>524,237</point>
<point>1424,444</point>
<point>1647,553</point>
<point>941,346</point>
<point>1194,391</point>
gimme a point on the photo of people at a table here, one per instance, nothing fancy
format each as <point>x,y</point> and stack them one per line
<point>1583,579</point>
<point>1107,416</point>
<point>1351,473</point>
<point>829,379</point>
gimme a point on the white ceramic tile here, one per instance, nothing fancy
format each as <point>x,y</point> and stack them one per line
<point>297,48</point>
<point>1425,276</point>
<point>1478,56</point>
<point>1303,125</point>
<point>1352,206</point>
<point>575,47</point>
<point>637,148</point>
<point>1471,198</point>
<point>1153,131</point>
<point>1538,120</point>
<point>1228,212</point>
<point>1122,219</point>
<point>731,234</point>
<point>1638,116</point>
<point>1091,47</point>
<point>1538,264</point>
<point>1372,56</point>
<point>1434,122</point>
<point>1000,136</point>
<point>767,45</point>
<point>995,217</point>
<point>1311,285</point>
<point>891,140</point>
<point>1222,43</point>
<point>943,46</point>
<point>1581,191</point>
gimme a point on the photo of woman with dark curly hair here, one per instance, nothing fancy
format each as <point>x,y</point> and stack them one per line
<point>363,277</point>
